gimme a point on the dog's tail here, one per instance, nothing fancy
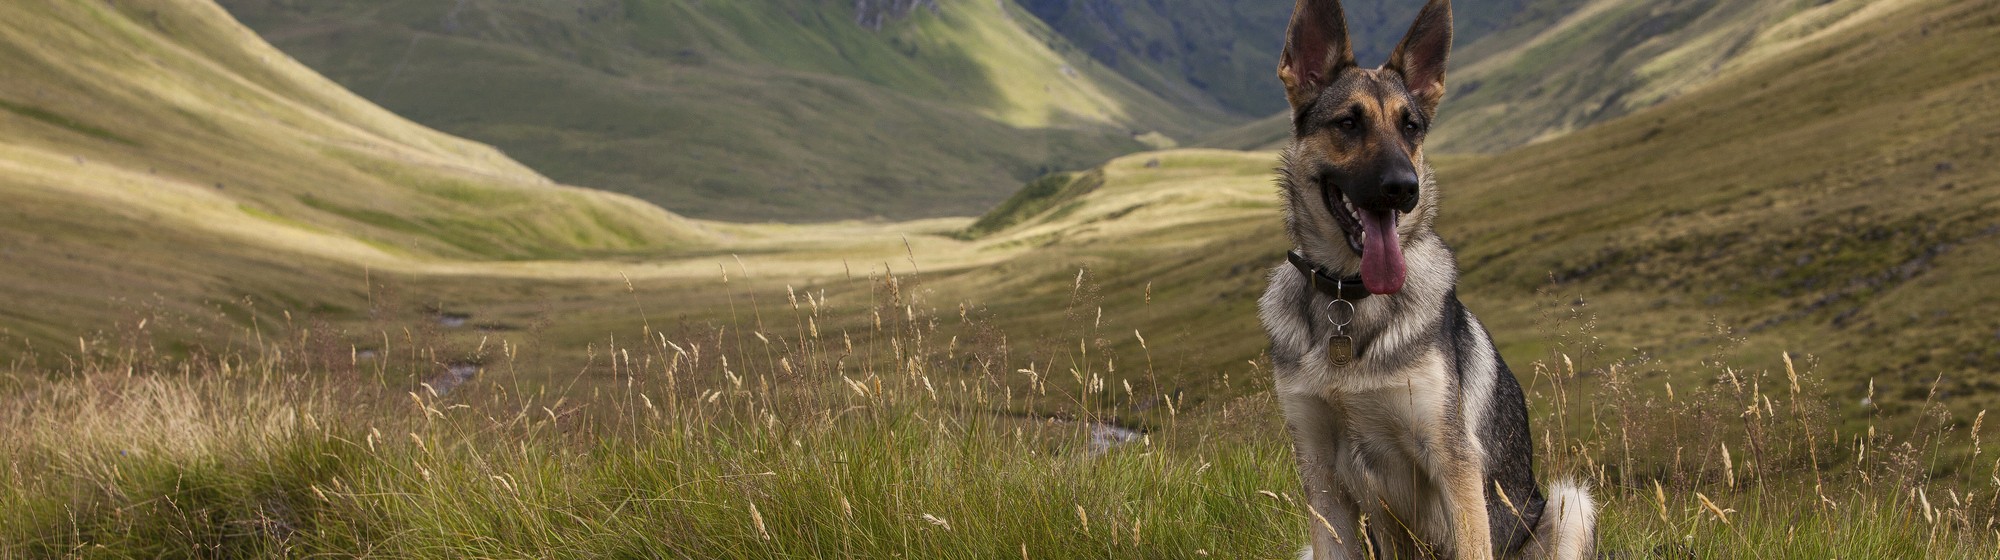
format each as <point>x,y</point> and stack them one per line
<point>1568,529</point>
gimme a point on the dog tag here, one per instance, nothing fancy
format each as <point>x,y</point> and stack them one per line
<point>1340,350</point>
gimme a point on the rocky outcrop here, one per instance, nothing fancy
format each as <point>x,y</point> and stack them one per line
<point>872,14</point>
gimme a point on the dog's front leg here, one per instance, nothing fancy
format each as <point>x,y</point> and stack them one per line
<point>1461,474</point>
<point>1315,433</point>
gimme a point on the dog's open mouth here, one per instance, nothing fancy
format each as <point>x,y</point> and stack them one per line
<point>1372,236</point>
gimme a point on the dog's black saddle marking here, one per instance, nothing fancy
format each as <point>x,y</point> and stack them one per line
<point>1349,288</point>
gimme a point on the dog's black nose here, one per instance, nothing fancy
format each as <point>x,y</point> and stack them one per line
<point>1400,187</point>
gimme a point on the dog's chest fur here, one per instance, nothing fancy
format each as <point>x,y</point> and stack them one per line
<point>1393,333</point>
<point>1386,418</point>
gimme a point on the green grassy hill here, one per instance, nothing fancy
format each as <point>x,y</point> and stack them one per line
<point>157,154</point>
<point>786,110</point>
<point>1835,197</point>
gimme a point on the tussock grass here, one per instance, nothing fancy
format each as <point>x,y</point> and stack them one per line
<point>871,484</point>
<point>922,434</point>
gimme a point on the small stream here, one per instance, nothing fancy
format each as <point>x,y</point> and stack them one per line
<point>454,374</point>
<point>1104,437</point>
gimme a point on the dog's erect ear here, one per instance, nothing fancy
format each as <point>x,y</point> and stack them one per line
<point>1316,50</point>
<point>1420,58</point>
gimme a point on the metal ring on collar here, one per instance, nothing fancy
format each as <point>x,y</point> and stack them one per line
<point>1347,317</point>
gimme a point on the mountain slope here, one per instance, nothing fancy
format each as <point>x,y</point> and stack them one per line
<point>1611,57</point>
<point>1836,196</point>
<point>751,111</point>
<point>158,152</point>
<point>1834,199</point>
<point>1557,66</point>
<point>1225,53</point>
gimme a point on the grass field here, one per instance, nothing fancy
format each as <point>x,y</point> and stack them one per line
<point>907,443</point>
<point>249,314</point>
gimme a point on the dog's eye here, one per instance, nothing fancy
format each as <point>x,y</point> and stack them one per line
<point>1348,123</point>
<point>1410,125</point>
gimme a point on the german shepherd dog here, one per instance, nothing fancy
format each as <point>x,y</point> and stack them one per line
<point>1410,432</point>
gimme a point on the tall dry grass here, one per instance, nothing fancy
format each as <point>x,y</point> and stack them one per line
<point>914,430</point>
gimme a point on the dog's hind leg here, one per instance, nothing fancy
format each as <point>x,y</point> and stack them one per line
<point>1568,528</point>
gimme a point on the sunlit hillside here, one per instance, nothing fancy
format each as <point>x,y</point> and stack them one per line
<point>774,110</point>
<point>159,154</point>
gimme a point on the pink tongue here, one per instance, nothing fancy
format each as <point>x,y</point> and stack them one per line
<point>1381,255</point>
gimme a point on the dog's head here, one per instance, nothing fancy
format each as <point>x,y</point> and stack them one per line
<point>1355,181</point>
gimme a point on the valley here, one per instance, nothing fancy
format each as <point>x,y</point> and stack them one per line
<point>590,274</point>
<point>789,110</point>
<point>1658,230</point>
